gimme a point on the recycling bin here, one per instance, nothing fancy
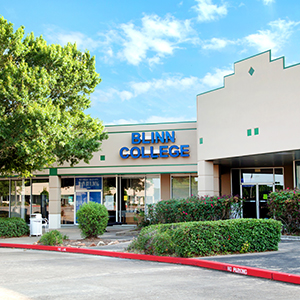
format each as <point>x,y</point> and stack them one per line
<point>36,224</point>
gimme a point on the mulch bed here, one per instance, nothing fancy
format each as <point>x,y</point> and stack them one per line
<point>92,242</point>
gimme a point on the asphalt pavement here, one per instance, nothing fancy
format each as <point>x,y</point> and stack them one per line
<point>46,275</point>
<point>286,259</point>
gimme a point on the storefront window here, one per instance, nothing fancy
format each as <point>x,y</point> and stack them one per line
<point>19,207</point>
<point>152,189</point>
<point>194,186</point>
<point>4,199</point>
<point>40,197</point>
<point>67,201</point>
<point>257,176</point>
<point>110,197</point>
<point>132,198</point>
<point>184,186</point>
<point>279,180</point>
<point>87,189</point>
<point>298,174</point>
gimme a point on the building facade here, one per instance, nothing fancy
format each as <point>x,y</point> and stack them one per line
<point>244,142</point>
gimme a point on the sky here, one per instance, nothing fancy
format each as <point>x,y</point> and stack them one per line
<point>155,57</point>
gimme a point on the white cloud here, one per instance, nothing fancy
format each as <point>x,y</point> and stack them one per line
<point>154,39</point>
<point>273,38</point>
<point>216,44</point>
<point>173,84</point>
<point>151,119</point>
<point>216,79</point>
<point>110,94</point>
<point>267,2</point>
<point>207,11</point>
<point>56,35</point>
<point>123,122</point>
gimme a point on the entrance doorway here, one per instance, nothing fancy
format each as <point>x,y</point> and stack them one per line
<point>255,186</point>
<point>132,198</point>
<point>255,200</point>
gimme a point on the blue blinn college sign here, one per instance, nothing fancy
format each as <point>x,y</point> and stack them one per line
<point>160,150</point>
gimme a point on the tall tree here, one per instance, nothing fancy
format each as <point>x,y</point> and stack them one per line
<point>44,91</point>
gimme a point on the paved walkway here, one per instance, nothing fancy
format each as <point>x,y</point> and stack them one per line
<point>286,259</point>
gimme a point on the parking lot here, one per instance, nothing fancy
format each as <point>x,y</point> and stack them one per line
<point>31,274</point>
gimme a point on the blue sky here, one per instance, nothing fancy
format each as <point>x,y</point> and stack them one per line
<point>154,57</point>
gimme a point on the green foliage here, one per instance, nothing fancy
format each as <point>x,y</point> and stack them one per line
<point>191,209</point>
<point>52,238</point>
<point>208,238</point>
<point>284,206</point>
<point>92,219</point>
<point>13,227</point>
<point>44,91</point>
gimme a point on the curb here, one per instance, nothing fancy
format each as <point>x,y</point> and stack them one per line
<point>242,270</point>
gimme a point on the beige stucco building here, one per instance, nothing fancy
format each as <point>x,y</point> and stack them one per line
<point>244,142</point>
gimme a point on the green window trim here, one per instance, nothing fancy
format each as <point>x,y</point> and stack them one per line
<point>256,131</point>
<point>102,157</point>
<point>201,141</point>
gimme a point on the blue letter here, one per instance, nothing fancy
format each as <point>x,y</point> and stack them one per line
<point>163,151</point>
<point>152,153</point>
<point>159,137</point>
<point>143,153</point>
<point>135,138</point>
<point>121,152</point>
<point>135,155</point>
<point>182,151</point>
<point>176,152</point>
<point>152,138</point>
<point>143,139</point>
<point>170,137</point>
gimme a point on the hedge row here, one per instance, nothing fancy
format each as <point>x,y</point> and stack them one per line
<point>13,227</point>
<point>208,238</point>
<point>192,209</point>
<point>284,206</point>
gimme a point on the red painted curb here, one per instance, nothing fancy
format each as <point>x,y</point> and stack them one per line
<point>249,271</point>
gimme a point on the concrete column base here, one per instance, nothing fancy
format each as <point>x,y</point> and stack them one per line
<point>54,221</point>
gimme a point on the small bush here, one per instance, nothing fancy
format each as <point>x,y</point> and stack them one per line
<point>92,219</point>
<point>284,206</point>
<point>51,238</point>
<point>191,209</point>
<point>208,238</point>
<point>13,227</point>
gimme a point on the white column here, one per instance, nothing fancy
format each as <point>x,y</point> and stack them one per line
<point>216,180</point>
<point>205,178</point>
<point>54,202</point>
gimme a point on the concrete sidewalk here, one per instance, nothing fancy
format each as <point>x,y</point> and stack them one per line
<point>286,259</point>
<point>116,232</point>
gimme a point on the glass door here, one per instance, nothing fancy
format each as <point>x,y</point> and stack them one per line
<point>249,196</point>
<point>132,198</point>
<point>255,200</point>
<point>263,191</point>
<point>110,198</point>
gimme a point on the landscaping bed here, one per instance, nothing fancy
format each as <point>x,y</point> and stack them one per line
<point>92,242</point>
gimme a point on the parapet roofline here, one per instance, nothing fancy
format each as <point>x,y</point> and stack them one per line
<point>250,57</point>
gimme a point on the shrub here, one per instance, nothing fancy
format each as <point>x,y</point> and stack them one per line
<point>192,209</point>
<point>52,238</point>
<point>13,227</point>
<point>208,238</point>
<point>92,219</point>
<point>284,206</point>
